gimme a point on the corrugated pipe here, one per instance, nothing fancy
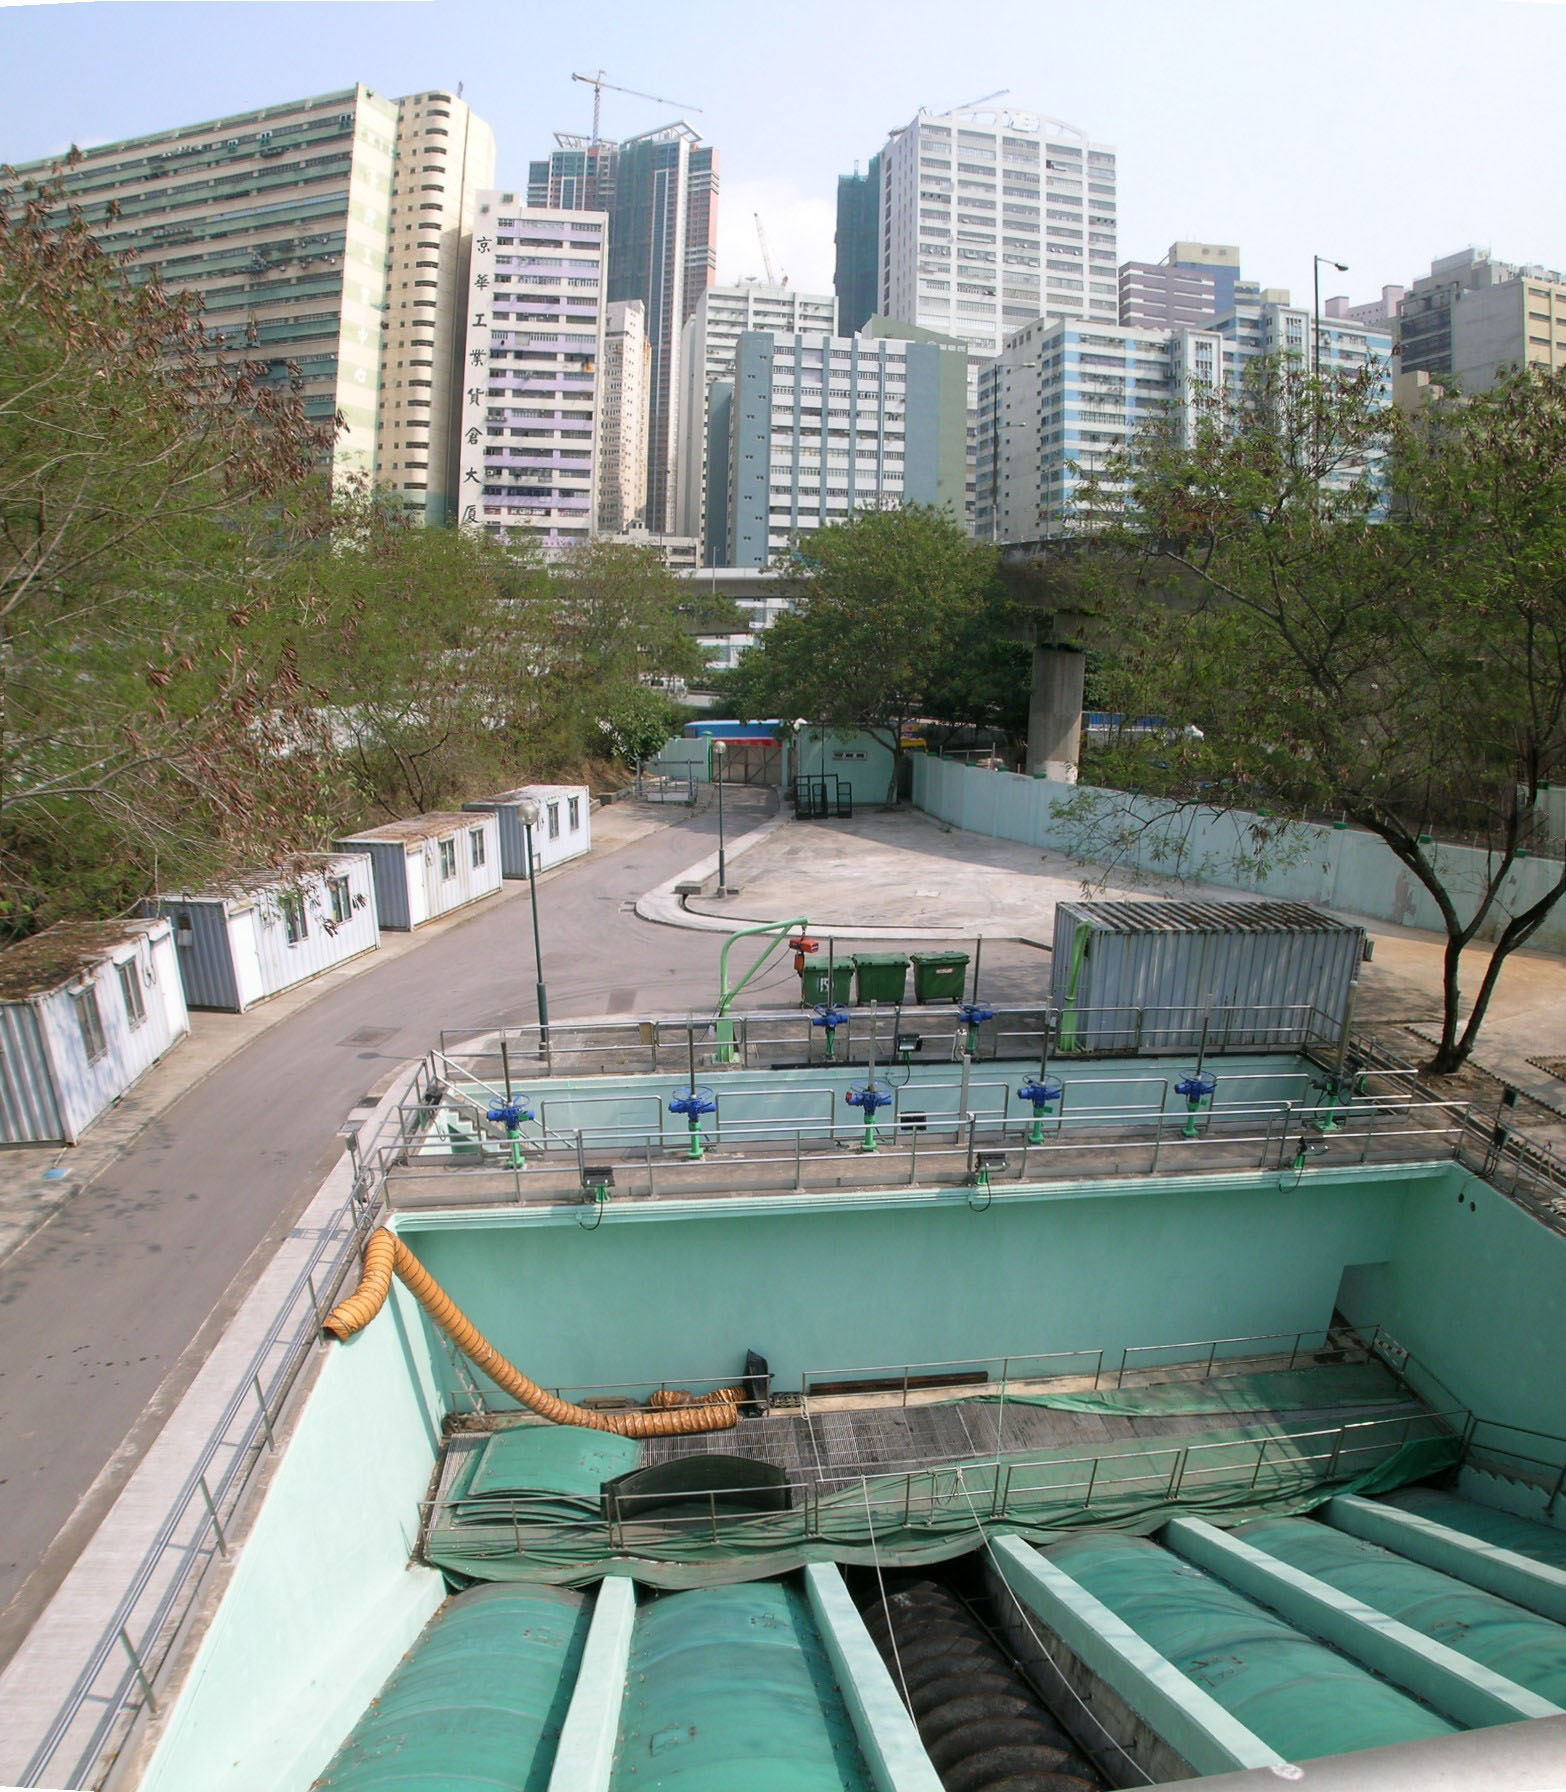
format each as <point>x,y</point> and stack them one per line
<point>386,1254</point>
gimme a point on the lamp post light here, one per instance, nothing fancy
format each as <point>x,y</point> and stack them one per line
<point>719,748</point>
<point>1315,341</point>
<point>530,810</point>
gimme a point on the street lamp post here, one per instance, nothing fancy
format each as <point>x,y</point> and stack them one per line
<point>719,748</point>
<point>1315,340</point>
<point>530,810</point>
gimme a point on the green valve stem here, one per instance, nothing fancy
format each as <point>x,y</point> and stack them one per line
<point>693,1103</point>
<point>1197,1090</point>
<point>870,1098</point>
<point>973,1015</point>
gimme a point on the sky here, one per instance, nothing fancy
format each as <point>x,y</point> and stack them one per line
<point>1379,133</point>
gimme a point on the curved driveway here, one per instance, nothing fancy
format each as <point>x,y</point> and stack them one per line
<point>108,1310</point>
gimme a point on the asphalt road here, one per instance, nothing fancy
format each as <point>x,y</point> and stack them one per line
<point>107,1312</point>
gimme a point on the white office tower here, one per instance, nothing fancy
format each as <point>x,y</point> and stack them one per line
<point>991,219</point>
<point>624,387</point>
<point>535,341</point>
<point>707,346</point>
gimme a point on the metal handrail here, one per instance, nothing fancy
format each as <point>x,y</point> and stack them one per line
<point>211,1500</point>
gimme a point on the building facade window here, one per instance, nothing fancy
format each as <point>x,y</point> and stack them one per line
<point>130,992</point>
<point>292,905</point>
<point>476,846</point>
<point>341,899</point>
<point>91,1023</point>
<point>448,859</point>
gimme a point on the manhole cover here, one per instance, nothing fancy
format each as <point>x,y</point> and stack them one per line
<point>1550,1066</point>
<point>369,1036</point>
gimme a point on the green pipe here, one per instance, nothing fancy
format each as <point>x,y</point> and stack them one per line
<point>726,995</point>
<point>1067,1037</point>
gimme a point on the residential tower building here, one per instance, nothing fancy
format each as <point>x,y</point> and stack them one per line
<point>1065,397</point>
<point>816,427</point>
<point>622,419</point>
<point>535,341</point>
<point>707,343</point>
<point>278,220</point>
<point>445,155</point>
<point>1190,289</point>
<point>660,191</point>
<point>992,218</point>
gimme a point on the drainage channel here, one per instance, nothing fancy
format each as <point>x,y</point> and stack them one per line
<point>983,1725</point>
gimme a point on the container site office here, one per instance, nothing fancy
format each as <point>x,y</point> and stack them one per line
<point>85,1009</point>
<point>563,830</point>
<point>1260,971</point>
<point>238,948</point>
<point>429,865</point>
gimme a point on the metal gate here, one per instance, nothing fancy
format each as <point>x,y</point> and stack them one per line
<point>758,762</point>
<point>818,798</point>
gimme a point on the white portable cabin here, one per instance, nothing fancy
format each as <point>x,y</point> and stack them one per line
<point>238,948</point>
<point>429,865</point>
<point>564,829</point>
<point>85,1008</point>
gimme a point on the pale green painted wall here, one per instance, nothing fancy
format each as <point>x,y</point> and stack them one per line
<point>927,1281</point>
<point>323,1601</point>
<point>1340,868</point>
<point>1479,1294</point>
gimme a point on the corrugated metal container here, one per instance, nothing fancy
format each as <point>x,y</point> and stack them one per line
<point>429,865</point>
<point>1148,975</point>
<point>238,949</point>
<point>564,829</point>
<point>85,1009</point>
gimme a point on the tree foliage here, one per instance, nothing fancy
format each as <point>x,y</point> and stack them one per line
<point>893,599</point>
<point>150,696</point>
<point>1365,614</point>
<point>209,663</point>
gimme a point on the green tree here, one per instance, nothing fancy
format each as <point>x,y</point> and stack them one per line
<point>1365,614</point>
<point>156,728</point>
<point>892,597</point>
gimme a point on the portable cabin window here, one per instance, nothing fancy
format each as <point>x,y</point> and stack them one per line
<point>130,992</point>
<point>91,1023</point>
<point>554,821</point>
<point>573,813</point>
<point>476,843</point>
<point>448,858</point>
<point>340,898</point>
<point>291,902</point>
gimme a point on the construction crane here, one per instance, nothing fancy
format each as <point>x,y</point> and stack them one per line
<point>968,105</point>
<point>598,84</point>
<point>766,254</point>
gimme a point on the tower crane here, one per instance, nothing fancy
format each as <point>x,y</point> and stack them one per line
<point>766,253</point>
<point>598,84</point>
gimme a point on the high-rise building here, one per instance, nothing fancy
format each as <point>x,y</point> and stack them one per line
<point>278,220</point>
<point>535,338</point>
<point>445,155</point>
<point>1064,397</point>
<point>326,233</point>
<point>660,191</point>
<point>1192,287</point>
<point>622,418</point>
<point>816,427</point>
<point>1471,316</point>
<point>991,219</point>
<point>856,275</point>
<point>707,345</point>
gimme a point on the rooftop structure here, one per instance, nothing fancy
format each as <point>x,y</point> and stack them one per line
<point>735,1364</point>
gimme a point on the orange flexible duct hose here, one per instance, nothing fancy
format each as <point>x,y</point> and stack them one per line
<point>386,1253</point>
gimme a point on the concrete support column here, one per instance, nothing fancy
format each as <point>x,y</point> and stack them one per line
<point>1055,713</point>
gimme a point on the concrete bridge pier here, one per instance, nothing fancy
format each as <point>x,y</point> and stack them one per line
<point>1055,713</point>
